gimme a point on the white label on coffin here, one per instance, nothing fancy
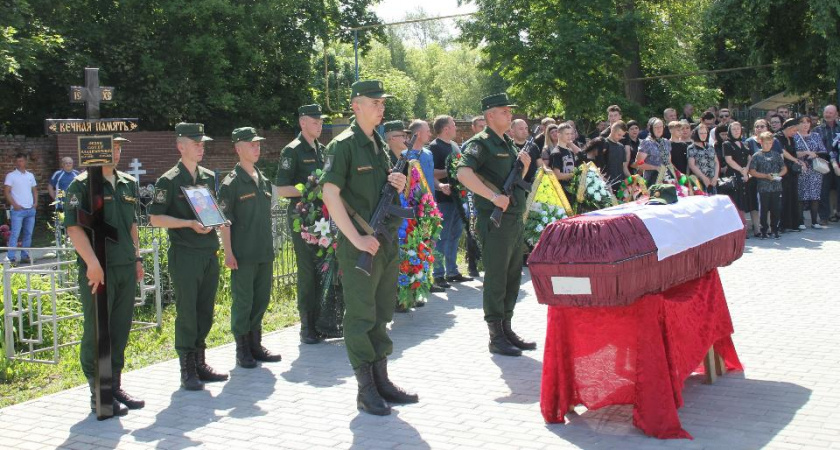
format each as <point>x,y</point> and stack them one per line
<point>571,285</point>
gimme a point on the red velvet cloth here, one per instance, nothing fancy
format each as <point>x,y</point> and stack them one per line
<point>639,354</point>
<point>618,258</point>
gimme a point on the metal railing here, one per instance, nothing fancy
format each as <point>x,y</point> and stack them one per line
<point>39,298</point>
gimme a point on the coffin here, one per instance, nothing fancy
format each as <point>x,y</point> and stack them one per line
<point>613,256</point>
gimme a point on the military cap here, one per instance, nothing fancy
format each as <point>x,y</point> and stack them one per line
<point>311,111</point>
<point>792,122</point>
<point>662,194</point>
<point>495,100</point>
<point>194,131</point>
<point>118,138</point>
<point>395,125</point>
<point>246,134</point>
<point>368,88</point>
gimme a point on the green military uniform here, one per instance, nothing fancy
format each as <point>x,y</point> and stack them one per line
<point>246,203</point>
<point>193,264</point>
<point>121,268</point>
<point>491,157</point>
<point>298,161</point>
<point>359,167</point>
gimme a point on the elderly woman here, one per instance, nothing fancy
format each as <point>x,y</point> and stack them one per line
<point>702,161</point>
<point>654,151</point>
<point>809,146</point>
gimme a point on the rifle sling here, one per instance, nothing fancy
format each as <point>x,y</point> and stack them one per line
<point>490,185</point>
<point>357,218</point>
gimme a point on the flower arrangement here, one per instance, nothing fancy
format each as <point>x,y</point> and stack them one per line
<point>539,216</point>
<point>632,188</point>
<point>452,164</point>
<point>591,190</point>
<point>417,238</point>
<point>311,219</point>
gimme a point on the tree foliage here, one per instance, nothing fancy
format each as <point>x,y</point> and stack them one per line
<point>221,62</point>
<point>573,58</point>
<point>800,38</point>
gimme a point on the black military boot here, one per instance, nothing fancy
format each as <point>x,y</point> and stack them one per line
<point>244,358</point>
<point>124,397</point>
<point>308,333</point>
<point>189,372</point>
<point>259,352</point>
<point>368,399</point>
<point>515,339</point>
<point>119,410</point>
<point>205,372</point>
<point>388,390</point>
<point>499,343</point>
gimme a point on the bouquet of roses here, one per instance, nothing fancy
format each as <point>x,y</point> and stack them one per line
<point>632,188</point>
<point>311,219</point>
<point>417,238</point>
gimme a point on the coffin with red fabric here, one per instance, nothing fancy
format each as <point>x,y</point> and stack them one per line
<point>614,256</point>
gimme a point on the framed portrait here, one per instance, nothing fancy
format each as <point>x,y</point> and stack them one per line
<point>204,206</point>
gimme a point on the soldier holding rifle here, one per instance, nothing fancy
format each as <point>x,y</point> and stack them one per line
<point>356,169</point>
<point>488,159</point>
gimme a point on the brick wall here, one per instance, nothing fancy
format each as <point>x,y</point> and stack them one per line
<point>42,162</point>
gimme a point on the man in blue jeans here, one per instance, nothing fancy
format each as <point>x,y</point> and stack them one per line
<point>22,197</point>
<point>446,267</point>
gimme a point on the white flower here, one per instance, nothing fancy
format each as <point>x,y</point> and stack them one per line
<point>597,196</point>
<point>545,220</point>
<point>322,227</point>
<point>539,228</point>
<point>590,190</point>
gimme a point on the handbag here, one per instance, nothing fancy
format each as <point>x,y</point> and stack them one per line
<point>726,185</point>
<point>819,165</point>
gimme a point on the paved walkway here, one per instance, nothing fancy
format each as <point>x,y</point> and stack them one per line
<point>783,296</point>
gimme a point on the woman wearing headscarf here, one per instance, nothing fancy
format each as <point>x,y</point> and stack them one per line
<point>737,156</point>
<point>654,151</point>
<point>702,161</point>
<point>721,134</point>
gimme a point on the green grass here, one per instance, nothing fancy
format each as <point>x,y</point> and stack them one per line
<point>23,381</point>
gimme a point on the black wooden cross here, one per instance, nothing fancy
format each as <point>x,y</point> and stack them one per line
<point>91,94</point>
<point>100,231</point>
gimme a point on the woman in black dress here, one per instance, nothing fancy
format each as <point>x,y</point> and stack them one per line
<point>737,156</point>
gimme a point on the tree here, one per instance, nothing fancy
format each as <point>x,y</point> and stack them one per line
<point>798,37</point>
<point>574,58</point>
<point>221,62</point>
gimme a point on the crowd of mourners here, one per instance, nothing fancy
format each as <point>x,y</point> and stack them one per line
<point>785,167</point>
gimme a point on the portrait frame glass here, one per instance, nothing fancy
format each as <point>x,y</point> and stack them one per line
<point>204,206</point>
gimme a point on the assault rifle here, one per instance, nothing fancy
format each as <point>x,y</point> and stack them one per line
<point>385,209</point>
<point>513,180</point>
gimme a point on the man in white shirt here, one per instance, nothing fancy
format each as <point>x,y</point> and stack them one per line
<point>22,196</point>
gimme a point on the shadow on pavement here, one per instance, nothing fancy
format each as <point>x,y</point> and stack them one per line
<point>733,413</point>
<point>384,432</point>
<point>106,433</point>
<point>315,364</point>
<point>522,376</point>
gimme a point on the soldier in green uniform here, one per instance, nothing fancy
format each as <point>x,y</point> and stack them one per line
<point>245,198</point>
<point>193,264</point>
<point>299,159</point>
<point>124,268</point>
<point>355,170</point>
<point>487,161</point>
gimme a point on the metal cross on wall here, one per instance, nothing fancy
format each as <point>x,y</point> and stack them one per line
<point>91,94</point>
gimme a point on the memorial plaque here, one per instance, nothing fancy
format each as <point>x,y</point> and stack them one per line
<point>85,126</point>
<point>96,150</point>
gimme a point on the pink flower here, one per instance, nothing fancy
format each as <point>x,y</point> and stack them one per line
<point>324,242</point>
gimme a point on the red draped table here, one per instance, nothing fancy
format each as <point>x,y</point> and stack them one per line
<point>639,354</point>
<point>633,312</point>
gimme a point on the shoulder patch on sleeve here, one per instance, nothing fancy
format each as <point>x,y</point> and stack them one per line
<point>160,196</point>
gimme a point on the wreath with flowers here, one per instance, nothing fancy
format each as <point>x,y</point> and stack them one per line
<point>547,204</point>
<point>631,188</point>
<point>311,219</point>
<point>417,238</point>
<point>591,189</point>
